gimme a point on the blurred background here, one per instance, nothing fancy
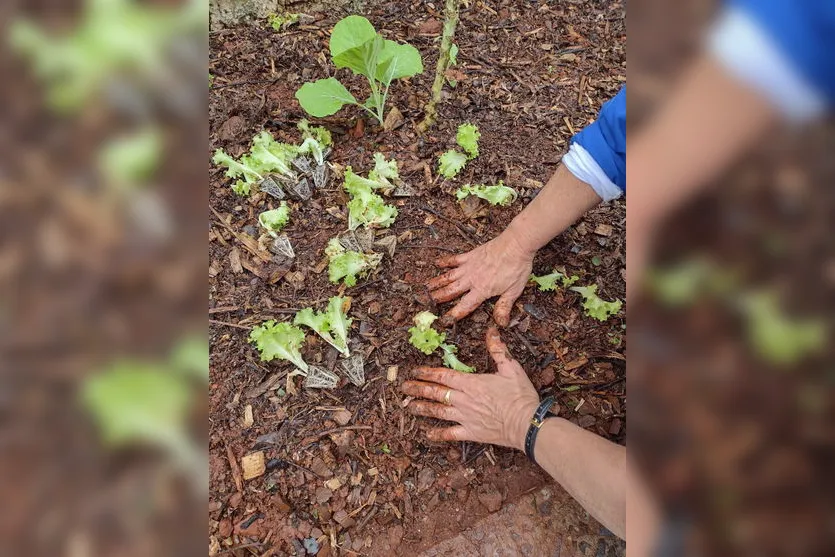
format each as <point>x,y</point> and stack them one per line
<point>103,343</point>
<point>731,370</point>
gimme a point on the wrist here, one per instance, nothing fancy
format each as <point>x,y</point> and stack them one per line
<point>522,423</point>
<point>517,239</point>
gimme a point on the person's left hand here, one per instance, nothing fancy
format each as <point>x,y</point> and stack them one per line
<point>489,408</point>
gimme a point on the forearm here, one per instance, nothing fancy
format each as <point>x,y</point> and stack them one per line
<point>560,203</point>
<point>590,468</point>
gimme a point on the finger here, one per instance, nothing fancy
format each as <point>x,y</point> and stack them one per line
<point>498,351</point>
<point>422,389</point>
<point>444,279</point>
<point>450,292</point>
<point>455,433</point>
<point>434,410</point>
<point>450,260</point>
<point>443,376</point>
<point>501,313</point>
<point>465,307</point>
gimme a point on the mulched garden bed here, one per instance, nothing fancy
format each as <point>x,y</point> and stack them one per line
<point>349,466</point>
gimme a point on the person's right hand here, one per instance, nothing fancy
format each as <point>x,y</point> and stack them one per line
<point>501,267</point>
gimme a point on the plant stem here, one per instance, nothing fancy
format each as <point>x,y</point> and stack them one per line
<point>450,23</point>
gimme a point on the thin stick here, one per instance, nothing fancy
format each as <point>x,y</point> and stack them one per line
<point>226,323</point>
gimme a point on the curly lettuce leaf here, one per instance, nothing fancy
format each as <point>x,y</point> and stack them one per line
<point>549,282</point>
<point>467,138</point>
<point>235,169</point>
<point>384,172</point>
<point>320,323</point>
<point>451,163</point>
<point>321,134</point>
<point>275,219</point>
<point>495,195</point>
<point>272,156</point>
<point>339,322</point>
<point>279,340</point>
<point>452,361</point>
<point>366,207</point>
<point>423,336</point>
<point>595,306</point>
<point>349,265</point>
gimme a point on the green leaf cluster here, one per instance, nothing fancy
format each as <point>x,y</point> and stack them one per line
<point>452,162</point>
<point>275,219</point>
<point>356,45</point>
<point>366,208</point>
<point>595,306</point>
<point>279,340</point>
<point>268,156</point>
<point>427,340</point>
<point>549,282</point>
<point>280,22</point>
<point>332,325</point>
<point>495,195</point>
<point>348,266</point>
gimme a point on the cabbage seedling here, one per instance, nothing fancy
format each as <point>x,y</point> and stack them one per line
<point>356,45</point>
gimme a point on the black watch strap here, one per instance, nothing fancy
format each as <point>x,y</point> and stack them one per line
<point>538,419</point>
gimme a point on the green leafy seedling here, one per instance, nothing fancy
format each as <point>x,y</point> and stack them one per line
<point>549,282</point>
<point>595,306</point>
<point>275,219</point>
<point>348,266</point>
<point>494,195</point>
<point>356,45</point>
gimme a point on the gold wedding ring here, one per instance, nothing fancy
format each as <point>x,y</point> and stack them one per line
<point>447,397</point>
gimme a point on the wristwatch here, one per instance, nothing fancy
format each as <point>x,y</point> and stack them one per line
<point>542,413</point>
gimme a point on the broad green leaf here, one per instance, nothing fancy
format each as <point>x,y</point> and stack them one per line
<point>349,33</point>
<point>363,59</point>
<point>324,97</point>
<point>397,61</point>
<point>451,163</point>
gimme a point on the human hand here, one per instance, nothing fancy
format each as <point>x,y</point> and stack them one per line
<point>489,408</point>
<point>501,267</point>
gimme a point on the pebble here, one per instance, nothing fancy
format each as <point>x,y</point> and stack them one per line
<point>311,546</point>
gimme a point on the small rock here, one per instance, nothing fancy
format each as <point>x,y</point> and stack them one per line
<point>425,479</point>
<point>492,500</point>
<point>323,494</point>
<point>224,529</point>
<point>394,119</point>
<point>311,546</point>
<point>253,465</point>
<point>321,469</point>
<point>342,417</point>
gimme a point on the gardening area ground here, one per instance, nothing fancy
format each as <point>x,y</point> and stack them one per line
<point>349,467</point>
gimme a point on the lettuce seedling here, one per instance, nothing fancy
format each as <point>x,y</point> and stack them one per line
<point>495,195</point>
<point>280,22</point>
<point>275,219</point>
<point>349,265</point>
<point>452,361</point>
<point>595,306</point>
<point>384,172</point>
<point>467,138</point>
<point>266,156</point>
<point>549,282</point>
<point>366,207</point>
<point>279,340</point>
<point>451,163</point>
<point>315,140</point>
<point>423,336</point>
<point>332,325</point>
<point>355,44</point>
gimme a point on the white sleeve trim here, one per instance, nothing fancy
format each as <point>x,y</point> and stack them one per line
<point>582,165</point>
<point>739,43</point>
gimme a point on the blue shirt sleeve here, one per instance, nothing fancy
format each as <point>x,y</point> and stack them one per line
<point>605,139</point>
<point>804,32</point>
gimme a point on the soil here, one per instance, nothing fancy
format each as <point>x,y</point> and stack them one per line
<point>531,74</point>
